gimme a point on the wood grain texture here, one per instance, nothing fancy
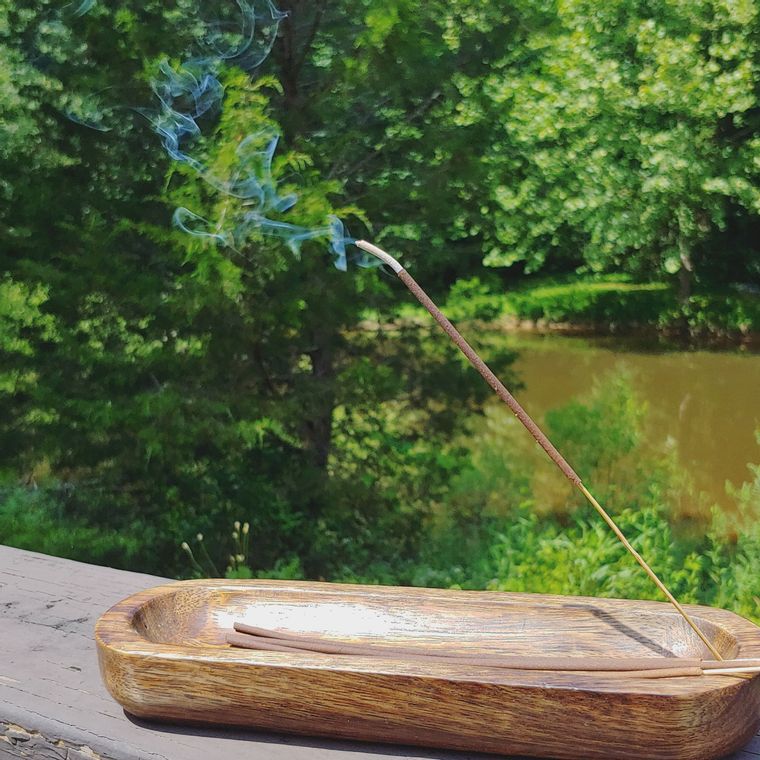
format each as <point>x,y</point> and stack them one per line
<point>163,655</point>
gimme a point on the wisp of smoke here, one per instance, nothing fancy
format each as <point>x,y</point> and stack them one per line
<point>192,91</point>
<point>84,7</point>
<point>190,94</point>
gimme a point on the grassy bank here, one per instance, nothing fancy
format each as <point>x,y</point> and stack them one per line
<point>611,303</point>
<point>479,508</point>
<point>509,522</point>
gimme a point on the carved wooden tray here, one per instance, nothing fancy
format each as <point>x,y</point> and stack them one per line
<point>163,656</point>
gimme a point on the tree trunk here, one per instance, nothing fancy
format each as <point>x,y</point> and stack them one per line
<point>319,424</point>
<point>685,273</point>
<point>685,280</point>
<point>288,66</point>
<point>298,31</point>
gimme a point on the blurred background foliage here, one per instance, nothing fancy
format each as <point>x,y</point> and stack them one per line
<point>569,161</point>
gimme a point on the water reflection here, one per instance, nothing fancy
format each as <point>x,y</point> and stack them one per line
<point>705,404</point>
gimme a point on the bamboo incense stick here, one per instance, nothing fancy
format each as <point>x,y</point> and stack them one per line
<point>502,392</point>
<point>249,634</point>
<point>251,637</point>
<point>246,641</point>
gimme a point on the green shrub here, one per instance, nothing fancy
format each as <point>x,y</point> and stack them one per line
<point>616,302</point>
<point>718,313</point>
<point>511,524</point>
<point>544,555</point>
<point>584,557</point>
<point>733,552</point>
<point>35,520</point>
<point>474,299</point>
<point>594,303</point>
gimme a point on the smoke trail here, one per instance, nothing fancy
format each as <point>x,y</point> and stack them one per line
<point>192,91</point>
<point>244,36</point>
<point>84,7</point>
<point>184,97</point>
<point>189,95</point>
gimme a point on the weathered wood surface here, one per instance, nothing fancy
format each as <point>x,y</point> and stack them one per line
<point>52,700</point>
<point>53,703</point>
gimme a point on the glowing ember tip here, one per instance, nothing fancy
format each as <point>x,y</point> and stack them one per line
<point>386,258</point>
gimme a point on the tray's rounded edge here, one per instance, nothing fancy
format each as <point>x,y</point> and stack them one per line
<point>690,728</point>
<point>115,624</point>
<point>122,651</point>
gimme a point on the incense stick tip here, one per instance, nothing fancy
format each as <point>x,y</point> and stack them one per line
<point>379,253</point>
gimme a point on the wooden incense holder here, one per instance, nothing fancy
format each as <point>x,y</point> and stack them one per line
<point>164,655</point>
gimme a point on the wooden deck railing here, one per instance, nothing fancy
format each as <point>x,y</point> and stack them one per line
<point>54,706</point>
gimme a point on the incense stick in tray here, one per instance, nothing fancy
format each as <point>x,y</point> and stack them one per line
<point>264,639</point>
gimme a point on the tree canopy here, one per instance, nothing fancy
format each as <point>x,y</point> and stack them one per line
<point>159,381</point>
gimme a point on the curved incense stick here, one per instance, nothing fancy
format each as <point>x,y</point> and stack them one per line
<point>524,417</point>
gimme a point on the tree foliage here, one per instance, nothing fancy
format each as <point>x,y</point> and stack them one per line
<point>158,383</point>
<point>630,137</point>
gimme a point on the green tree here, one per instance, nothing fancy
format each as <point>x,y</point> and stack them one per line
<point>178,384</point>
<point>377,93</point>
<point>631,136</point>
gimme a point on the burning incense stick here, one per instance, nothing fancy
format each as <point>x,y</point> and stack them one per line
<point>522,415</point>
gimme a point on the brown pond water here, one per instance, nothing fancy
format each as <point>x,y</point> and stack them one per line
<point>705,404</point>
